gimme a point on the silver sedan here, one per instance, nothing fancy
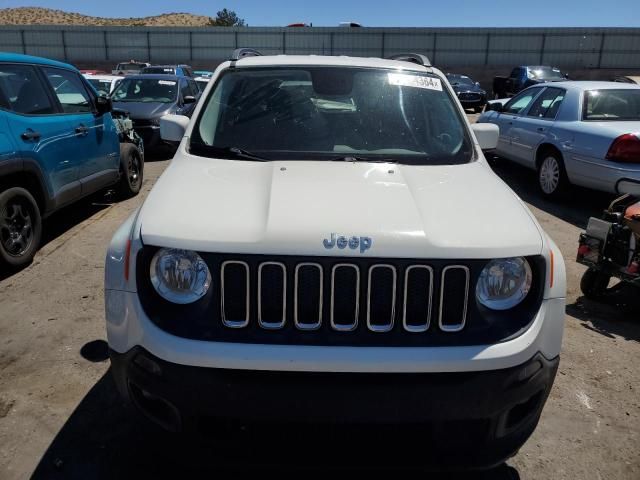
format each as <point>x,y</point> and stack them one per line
<point>582,133</point>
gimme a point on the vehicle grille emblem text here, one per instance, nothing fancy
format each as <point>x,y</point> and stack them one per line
<point>342,242</point>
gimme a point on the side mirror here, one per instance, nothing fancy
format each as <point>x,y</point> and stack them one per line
<point>189,99</point>
<point>566,75</point>
<point>172,127</point>
<point>495,107</point>
<point>477,84</point>
<point>487,135</point>
<point>103,104</point>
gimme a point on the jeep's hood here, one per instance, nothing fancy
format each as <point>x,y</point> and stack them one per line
<point>289,207</point>
<point>144,110</point>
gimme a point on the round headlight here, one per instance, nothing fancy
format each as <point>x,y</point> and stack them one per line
<point>504,283</point>
<point>179,276</point>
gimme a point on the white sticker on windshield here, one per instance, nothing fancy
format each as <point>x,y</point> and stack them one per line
<point>166,82</point>
<point>417,81</point>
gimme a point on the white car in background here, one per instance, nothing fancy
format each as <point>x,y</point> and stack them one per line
<point>104,84</point>
<point>202,82</point>
<point>581,132</point>
<point>634,79</point>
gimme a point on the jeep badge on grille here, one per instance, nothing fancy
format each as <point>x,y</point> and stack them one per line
<point>342,242</point>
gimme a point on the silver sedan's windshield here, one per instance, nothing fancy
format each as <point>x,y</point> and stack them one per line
<point>332,113</point>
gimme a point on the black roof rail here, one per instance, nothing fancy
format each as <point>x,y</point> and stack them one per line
<point>239,53</point>
<point>411,57</point>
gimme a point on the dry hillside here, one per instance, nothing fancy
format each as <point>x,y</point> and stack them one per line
<point>48,16</point>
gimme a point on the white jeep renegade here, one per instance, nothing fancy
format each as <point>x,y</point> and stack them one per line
<point>329,245</point>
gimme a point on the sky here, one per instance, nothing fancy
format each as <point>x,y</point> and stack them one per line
<point>375,13</point>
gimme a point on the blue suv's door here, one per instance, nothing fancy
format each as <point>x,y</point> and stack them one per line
<point>7,147</point>
<point>97,147</point>
<point>42,138</point>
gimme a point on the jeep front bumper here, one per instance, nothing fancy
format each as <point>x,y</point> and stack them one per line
<point>464,420</point>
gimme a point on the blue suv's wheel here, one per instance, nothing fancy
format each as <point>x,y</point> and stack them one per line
<point>131,170</point>
<point>20,227</point>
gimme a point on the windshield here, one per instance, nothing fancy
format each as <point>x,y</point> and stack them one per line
<point>146,90</point>
<point>546,73</point>
<point>461,80</point>
<point>332,113</point>
<point>612,105</point>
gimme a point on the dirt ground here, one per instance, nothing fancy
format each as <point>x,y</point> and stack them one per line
<point>60,416</point>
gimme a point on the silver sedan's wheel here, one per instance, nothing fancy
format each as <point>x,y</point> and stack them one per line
<point>551,175</point>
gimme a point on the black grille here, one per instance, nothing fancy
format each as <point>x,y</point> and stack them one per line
<point>308,296</point>
<point>142,123</point>
<point>235,308</point>
<point>418,295</point>
<point>469,96</point>
<point>454,286</point>
<point>272,295</point>
<point>381,298</point>
<point>345,297</point>
<point>339,301</point>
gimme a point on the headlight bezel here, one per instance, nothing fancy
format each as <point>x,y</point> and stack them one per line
<point>520,291</point>
<point>200,285</point>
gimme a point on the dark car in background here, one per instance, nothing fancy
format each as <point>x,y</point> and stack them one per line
<point>525,76</point>
<point>469,92</point>
<point>148,97</point>
<point>181,70</point>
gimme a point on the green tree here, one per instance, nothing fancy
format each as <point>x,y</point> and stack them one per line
<point>227,18</point>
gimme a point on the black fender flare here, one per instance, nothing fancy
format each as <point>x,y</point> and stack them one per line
<point>31,168</point>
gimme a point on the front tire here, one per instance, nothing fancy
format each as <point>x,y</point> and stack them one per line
<point>131,170</point>
<point>20,227</point>
<point>552,176</point>
<point>594,284</point>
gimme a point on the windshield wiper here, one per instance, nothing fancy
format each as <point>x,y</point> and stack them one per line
<point>241,153</point>
<point>356,158</point>
<point>228,152</point>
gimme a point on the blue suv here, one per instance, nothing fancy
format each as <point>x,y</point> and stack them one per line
<point>58,143</point>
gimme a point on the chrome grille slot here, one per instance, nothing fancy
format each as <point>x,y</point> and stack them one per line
<point>234,293</point>
<point>454,294</point>
<point>381,297</point>
<point>272,295</point>
<point>418,298</point>
<point>345,296</point>
<point>307,296</point>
